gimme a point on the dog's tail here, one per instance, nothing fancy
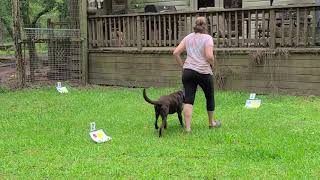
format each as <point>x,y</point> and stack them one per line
<point>149,100</point>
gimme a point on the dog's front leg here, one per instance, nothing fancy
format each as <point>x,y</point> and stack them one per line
<point>164,123</point>
<point>156,122</point>
<point>180,118</point>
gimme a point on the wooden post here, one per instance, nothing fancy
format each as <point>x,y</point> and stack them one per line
<point>283,37</point>
<point>17,42</point>
<point>290,28</point>
<point>305,28</point>
<point>272,29</point>
<point>154,31</point>
<point>150,32</point>
<point>84,41</point>
<point>314,26</point>
<point>218,28</point>
<point>229,30</point>
<point>263,28</point>
<point>145,34</point>
<point>249,29</point>
<point>243,28</point>
<point>170,31</point>
<point>256,41</point>
<point>175,24</point>
<point>298,28</point>
<point>164,31</point>
<point>139,38</point>
<point>237,30</point>
<point>223,29</point>
<point>159,29</point>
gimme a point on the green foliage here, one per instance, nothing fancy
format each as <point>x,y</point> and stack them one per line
<point>6,17</point>
<point>5,10</point>
<point>44,135</point>
<point>32,11</point>
<point>62,8</point>
<point>7,52</point>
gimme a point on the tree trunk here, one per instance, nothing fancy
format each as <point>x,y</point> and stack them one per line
<point>17,43</point>
<point>31,45</point>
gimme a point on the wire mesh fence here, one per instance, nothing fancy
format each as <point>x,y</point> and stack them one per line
<point>38,34</point>
<point>52,55</point>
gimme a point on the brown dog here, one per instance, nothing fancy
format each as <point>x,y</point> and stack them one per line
<point>170,104</point>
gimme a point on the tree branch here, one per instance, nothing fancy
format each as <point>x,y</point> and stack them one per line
<point>46,10</point>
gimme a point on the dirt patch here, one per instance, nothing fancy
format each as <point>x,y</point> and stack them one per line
<point>7,71</point>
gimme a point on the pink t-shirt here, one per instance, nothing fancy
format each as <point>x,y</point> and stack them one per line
<point>196,58</point>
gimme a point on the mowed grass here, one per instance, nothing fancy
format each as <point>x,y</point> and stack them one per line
<point>45,135</point>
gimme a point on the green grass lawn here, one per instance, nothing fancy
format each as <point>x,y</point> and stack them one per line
<point>45,135</point>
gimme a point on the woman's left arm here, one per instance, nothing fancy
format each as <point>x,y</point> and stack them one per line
<point>209,53</point>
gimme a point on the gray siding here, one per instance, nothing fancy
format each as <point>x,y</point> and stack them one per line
<point>138,5</point>
<point>255,3</point>
<point>264,3</point>
<point>292,2</point>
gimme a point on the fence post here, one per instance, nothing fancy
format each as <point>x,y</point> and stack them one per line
<point>17,42</point>
<point>139,38</point>
<point>84,41</point>
<point>272,29</point>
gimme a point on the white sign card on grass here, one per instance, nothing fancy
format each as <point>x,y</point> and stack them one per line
<point>61,89</point>
<point>252,102</point>
<point>98,136</point>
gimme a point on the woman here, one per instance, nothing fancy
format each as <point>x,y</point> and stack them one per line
<point>197,70</point>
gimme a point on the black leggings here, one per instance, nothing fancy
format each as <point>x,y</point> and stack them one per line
<point>191,79</point>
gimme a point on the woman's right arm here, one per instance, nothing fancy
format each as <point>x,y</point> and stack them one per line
<point>177,52</point>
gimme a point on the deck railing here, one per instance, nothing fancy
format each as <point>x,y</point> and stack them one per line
<point>290,26</point>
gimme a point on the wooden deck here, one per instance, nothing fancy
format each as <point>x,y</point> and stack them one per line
<point>286,26</point>
<point>262,50</point>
